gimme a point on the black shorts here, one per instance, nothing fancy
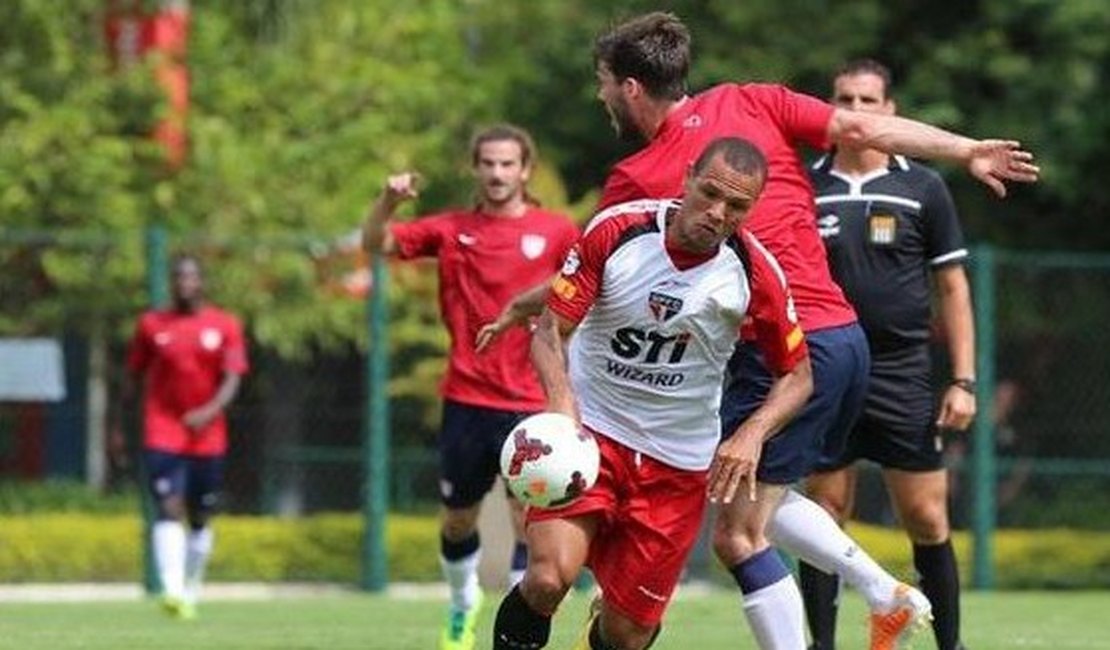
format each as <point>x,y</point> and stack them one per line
<point>897,429</point>
<point>197,479</point>
<point>470,451</point>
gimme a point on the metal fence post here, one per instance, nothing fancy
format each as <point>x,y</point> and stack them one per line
<point>376,435</point>
<point>157,288</point>
<point>983,468</point>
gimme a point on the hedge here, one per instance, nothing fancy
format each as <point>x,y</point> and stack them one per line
<point>76,547</point>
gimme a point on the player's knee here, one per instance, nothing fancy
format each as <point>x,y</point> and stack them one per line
<point>544,586</point>
<point>459,525</point>
<point>170,508</point>
<point>734,544</point>
<point>927,523</point>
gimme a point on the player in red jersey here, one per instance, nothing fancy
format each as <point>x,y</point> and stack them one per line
<point>641,70</point>
<point>655,301</point>
<point>487,255</point>
<point>192,357</point>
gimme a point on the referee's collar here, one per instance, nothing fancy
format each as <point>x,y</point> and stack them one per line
<point>895,163</point>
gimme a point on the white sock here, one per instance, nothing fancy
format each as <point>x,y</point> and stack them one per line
<point>198,548</point>
<point>776,616</point>
<point>462,578</point>
<point>515,576</point>
<point>805,529</point>
<point>168,538</point>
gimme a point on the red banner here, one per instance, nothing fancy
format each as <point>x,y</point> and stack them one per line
<point>131,35</point>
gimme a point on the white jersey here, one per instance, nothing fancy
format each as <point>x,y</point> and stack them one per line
<point>648,358</point>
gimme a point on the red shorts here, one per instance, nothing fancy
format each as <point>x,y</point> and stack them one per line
<point>649,517</point>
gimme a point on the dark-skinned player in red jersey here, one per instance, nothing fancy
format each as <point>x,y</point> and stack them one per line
<point>192,357</point>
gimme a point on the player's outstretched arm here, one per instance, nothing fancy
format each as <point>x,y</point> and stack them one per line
<point>375,233</point>
<point>737,458</point>
<point>993,162</point>
<point>517,312</point>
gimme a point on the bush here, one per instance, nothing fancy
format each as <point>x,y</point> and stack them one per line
<point>27,497</point>
<point>72,547</point>
<point>77,547</point>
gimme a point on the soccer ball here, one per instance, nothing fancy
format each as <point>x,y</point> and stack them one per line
<point>548,461</point>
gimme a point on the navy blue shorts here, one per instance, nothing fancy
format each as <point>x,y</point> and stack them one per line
<point>470,451</point>
<point>198,479</point>
<point>841,363</point>
<point>898,426</point>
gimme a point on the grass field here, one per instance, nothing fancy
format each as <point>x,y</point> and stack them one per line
<point>1001,621</point>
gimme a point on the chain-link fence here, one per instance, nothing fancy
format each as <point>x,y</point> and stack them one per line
<point>299,425</point>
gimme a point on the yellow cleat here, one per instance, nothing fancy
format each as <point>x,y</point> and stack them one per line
<point>583,642</point>
<point>458,631</point>
<point>178,608</point>
<point>910,614</point>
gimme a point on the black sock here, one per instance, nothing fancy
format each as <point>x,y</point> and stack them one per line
<point>466,547</point>
<point>940,582</point>
<point>518,626</point>
<point>821,594</point>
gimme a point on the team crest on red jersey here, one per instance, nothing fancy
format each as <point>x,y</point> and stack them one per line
<point>533,245</point>
<point>525,449</point>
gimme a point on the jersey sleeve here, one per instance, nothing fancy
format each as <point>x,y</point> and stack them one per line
<point>139,350</point>
<point>944,238</point>
<point>578,284</point>
<point>235,348</point>
<point>422,237</point>
<point>802,118</point>
<point>771,320</point>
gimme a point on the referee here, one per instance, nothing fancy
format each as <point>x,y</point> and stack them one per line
<point>889,225</point>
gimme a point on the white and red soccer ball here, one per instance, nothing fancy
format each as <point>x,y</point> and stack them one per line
<point>548,461</point>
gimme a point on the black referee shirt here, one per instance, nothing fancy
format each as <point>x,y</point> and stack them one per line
<point>883,232</point>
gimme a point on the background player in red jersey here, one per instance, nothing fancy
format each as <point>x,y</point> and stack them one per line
<point>192,357</point>
<point>642,66</point>
<point>487,254</point>
<point>889,226</point>
<point>655,301</point>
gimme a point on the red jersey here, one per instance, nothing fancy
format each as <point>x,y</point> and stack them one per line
<point>775,119</point>
<point>484,262</point>
<point>184,357</point>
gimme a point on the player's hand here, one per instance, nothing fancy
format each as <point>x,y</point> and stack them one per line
<point>957,409</point>
<point>734,463</point>
<point>403,187</point>
<point>198,418</point>
<point>508,318</point>
<point>997,162</point>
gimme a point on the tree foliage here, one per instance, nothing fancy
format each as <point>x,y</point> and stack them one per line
<point>300,108</point>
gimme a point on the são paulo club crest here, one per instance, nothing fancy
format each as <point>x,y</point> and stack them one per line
<point>662,301</point>
<point>533,245</point>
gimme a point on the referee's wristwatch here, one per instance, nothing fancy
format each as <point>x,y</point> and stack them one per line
<point>964,383</point>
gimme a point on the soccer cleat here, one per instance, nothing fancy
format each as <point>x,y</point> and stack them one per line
<point>178,608</point>
<point>583,642</point>
<point>458,631</point>
<point>910,614</point>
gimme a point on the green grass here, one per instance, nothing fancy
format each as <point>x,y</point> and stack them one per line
<point>1026,620</point>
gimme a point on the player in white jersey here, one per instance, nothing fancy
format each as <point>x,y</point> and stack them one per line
<point>656,302</point>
